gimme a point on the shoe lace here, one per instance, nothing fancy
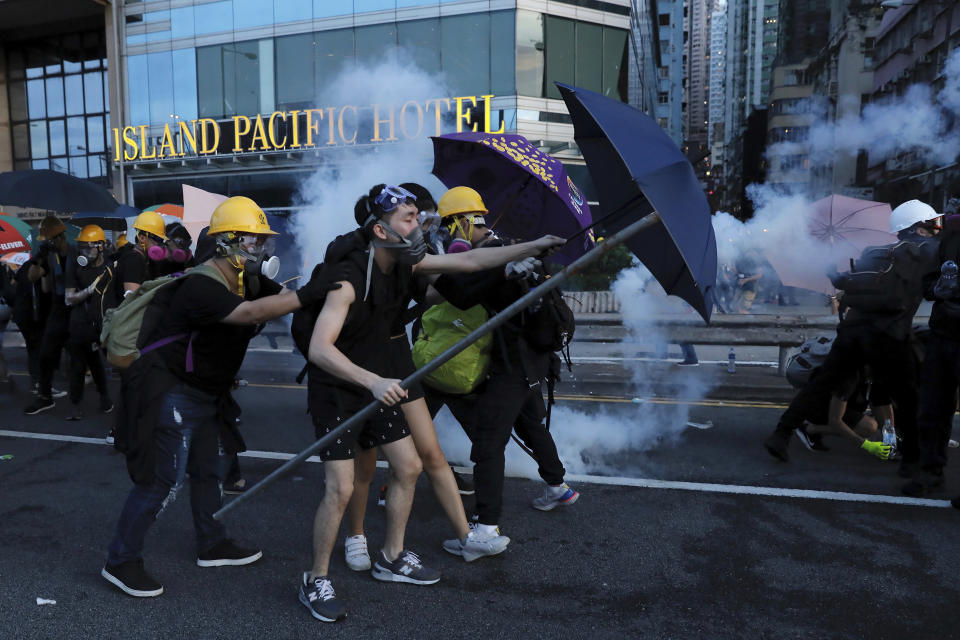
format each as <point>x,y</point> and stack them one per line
<point>324,587</point>
<point>412,559</point>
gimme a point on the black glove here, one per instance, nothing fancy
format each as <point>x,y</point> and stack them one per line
<point>323,279</point>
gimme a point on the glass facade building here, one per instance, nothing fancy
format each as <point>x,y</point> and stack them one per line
<point>175,63</point>
<point>59,104</point>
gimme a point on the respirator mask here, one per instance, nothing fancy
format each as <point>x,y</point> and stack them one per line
<point>88,252</point>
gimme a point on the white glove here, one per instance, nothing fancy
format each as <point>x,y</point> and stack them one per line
<point>519,269</point>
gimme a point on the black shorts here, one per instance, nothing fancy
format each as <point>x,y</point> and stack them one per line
<point>386,425</point>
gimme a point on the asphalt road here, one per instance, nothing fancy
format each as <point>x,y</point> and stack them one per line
<point>679,533</point>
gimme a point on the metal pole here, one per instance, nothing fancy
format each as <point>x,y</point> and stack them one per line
<point>496,321</point>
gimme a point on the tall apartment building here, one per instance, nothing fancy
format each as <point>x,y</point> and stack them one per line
<point>698,79</point>
<point>670,85</point>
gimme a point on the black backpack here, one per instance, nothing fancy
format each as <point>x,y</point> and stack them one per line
<point>879,281</point>
<point>548,326</point>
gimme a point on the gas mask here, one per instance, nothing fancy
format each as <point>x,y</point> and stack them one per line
<point>180,255</point>
<point>88,252</point>
<point>255,251</point>
<point>409,250</point>
<point>158,253</point>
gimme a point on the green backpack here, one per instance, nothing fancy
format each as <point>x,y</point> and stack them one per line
<point>443,326</point>
<point>122,325</point>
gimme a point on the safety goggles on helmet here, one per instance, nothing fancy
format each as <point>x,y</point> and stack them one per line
<point>391,197</point>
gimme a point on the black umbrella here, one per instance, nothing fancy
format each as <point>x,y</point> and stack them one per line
<point>53,191</point>
<point>637,169</point>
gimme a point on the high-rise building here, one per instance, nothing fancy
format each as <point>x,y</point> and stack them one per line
<point>803,29</point>
<point>670,89</point>
<point>698,76</point>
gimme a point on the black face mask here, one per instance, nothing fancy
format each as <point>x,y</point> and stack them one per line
<point>410,250</point>
<point>264,266</point>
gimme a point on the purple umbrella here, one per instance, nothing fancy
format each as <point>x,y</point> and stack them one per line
<point>527,193</point>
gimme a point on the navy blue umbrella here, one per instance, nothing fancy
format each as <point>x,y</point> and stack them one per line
<point>115,220</point>
<point>54,191</point>
<point>638,169</point>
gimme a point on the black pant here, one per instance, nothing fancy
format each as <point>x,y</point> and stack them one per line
<point>33,339</point>
<point>894,368</point>
<point>83,357</point>
<point>938,400</point>
<point>54,338</point>
<point>508,401</point>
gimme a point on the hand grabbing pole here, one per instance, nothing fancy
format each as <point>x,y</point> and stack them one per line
<point>493,323</point>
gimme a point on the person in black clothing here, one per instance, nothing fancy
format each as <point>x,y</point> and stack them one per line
<point>177,256</point>
<point>87,279</point>
<point>353,359</point>
<point>882,339</point>
<point>30,315</point>
<point>141,263</point>
<point>822,408</point>
<point>462,210</point>
<point>940,373</point>
<point>48,267</point>
<point>177,415</point>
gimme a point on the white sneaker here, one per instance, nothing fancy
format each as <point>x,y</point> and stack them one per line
<point>355,548</point>
<point>561,496</point>
<point>477,545</point>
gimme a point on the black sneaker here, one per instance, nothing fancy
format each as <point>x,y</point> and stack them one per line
<point>776,445</point>
<point>406,568</point>
<point>464,484</point>
<point>812,441</point>
<point>106,404</point>
<point>318,596</point>
<point>923,484</point>
<point>227,554</point>
<point>40,405</point>
<point>132,579</point>
<point>236,487</point>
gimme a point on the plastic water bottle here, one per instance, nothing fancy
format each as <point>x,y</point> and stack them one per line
<point>889,436</point>
<point>947,287</point>
<point>731,361</point>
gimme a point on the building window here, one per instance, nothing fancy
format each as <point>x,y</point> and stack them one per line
<point>664,19</point>
<point>663,98</point>
<point>59,107</point>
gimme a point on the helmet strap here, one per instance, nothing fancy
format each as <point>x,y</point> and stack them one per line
<point>239,267</point>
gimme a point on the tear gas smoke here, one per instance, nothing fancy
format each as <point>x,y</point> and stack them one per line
<point>328,195</point>
<point>607,441</point>
<point>918,122</point>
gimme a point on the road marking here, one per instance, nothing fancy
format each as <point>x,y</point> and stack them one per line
<point>642,483</point>
<point>611,399</point>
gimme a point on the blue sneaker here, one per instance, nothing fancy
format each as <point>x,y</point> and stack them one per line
<point>552,497</point>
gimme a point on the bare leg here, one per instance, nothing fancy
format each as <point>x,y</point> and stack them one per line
<point>405,468</point>
<point>435,464</point>
<point>326,523</point>
<point>365,465</point>
<point>866,427</point>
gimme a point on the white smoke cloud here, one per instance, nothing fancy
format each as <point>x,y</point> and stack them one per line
<point>918,121</point>
<point>601,439</point>
<point>329,194</point>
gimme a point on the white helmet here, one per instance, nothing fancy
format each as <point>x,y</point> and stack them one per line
<point>910,213</point>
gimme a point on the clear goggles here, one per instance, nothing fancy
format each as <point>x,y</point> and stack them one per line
<point>88,248</point>
<point>256,245</point>
<point>392,197</point>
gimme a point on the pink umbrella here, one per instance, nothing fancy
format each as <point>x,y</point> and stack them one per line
<point>839,229</point>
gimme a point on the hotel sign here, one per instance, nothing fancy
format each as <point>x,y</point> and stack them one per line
<point>303,129</point>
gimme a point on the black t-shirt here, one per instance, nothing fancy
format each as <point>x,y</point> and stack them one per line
<point>374,317</point>
<point>88,313</point>
<point>197,308</point>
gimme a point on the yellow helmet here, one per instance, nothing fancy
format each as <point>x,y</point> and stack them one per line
<point>152,223</point>
<point>91,233</point>
<point>239,214</point>
<point>122,240</point>
<point>460,200</point>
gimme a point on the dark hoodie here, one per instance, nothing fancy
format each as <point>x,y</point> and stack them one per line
<point>944,323</point>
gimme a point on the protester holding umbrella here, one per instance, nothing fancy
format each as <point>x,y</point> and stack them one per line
<point>48,267</point>
<point>87,279</point>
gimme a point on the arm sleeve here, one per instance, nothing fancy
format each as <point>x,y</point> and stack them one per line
<point>70,280</point>
<point>465,291</point>
<point>131,268</point>
<point>205,301</point>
